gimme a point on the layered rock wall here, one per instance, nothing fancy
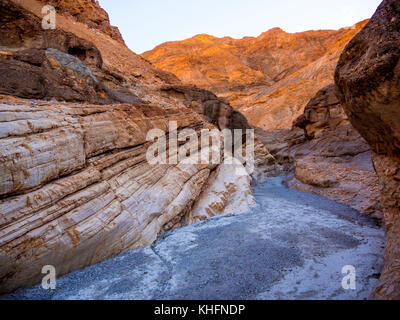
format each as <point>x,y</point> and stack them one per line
<point>76,186</point>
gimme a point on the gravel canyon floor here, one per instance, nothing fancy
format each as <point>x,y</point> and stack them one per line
<point>292,245</point>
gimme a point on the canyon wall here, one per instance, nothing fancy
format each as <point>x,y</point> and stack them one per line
<point>269,78</point>
<point>368,81</point>
<point>75,108</point>
<point>325,155</point>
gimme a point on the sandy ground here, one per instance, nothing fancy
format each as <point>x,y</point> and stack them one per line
<point>293,245</point>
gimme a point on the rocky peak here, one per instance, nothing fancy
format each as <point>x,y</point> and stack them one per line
<point>204,38</point>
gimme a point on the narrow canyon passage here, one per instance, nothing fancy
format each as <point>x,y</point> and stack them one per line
<point>292,245</point>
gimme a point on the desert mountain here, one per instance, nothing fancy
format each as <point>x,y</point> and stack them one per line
<point>270,78</point>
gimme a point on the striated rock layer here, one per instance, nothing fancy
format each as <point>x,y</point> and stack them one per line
<point>269,78</point>
<point>368,81</point>
<point>76,187</point>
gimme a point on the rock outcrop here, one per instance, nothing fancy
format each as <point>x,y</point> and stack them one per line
<point>269,78</point>
<point>326,155</point>
<point>216,110</point>
<point>54,74</point>
<point>76,187</point>
<point>111,62</point>
<point>88,12</point>
<point>224,193</point>
<point>368,81</point>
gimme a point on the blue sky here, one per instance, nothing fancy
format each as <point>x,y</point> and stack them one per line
<point>147,23</point>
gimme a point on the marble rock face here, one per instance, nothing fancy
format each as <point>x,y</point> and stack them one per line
<point>77,188</point>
